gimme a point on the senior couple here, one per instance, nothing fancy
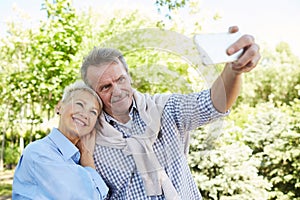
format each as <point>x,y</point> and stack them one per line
<point>136,147</point>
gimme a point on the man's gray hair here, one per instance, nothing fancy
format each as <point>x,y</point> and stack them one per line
<point>79,86</point>
<point>101,56</point>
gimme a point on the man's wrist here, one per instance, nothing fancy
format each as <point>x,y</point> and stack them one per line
<point>230,71</point>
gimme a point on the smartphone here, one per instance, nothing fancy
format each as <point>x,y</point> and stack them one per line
<point>212,47</point>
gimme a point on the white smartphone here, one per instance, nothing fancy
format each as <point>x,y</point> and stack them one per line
<point>212,47</point>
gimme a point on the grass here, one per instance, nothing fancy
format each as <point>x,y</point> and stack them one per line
<point>6,183</point>
<point>5,189</point>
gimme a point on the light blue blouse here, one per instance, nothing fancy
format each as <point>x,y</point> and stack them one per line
<point>49,169</point>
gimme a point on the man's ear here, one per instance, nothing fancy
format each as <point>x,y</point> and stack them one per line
<point>58,107</point>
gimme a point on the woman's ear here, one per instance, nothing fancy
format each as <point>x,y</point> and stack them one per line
<point>58,107</point>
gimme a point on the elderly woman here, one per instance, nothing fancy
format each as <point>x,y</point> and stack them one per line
<point>61,165</point>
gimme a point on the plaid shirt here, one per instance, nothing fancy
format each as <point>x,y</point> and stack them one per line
<point>182,113</point>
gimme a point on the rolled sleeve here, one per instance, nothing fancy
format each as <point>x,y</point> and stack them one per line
<point>213,113</point>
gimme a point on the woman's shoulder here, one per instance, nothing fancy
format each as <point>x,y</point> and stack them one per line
<point>37,149</point>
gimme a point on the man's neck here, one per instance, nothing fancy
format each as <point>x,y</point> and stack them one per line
<point>122,118</point>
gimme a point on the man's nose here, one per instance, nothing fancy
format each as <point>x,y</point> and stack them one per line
<point>116,89</point>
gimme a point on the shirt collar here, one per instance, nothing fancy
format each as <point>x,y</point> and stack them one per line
<point>64,145</point>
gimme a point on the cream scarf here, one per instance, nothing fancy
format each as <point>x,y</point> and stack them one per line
<point>155,179</point>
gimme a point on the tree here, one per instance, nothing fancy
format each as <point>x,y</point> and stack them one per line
<point>266,83</point>
<point>170,5</point>
<point>39,64</point>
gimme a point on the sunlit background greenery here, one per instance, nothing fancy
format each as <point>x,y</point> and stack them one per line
<point>253,154</point>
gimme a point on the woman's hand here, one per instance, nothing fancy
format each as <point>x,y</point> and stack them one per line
<point>86,146</point>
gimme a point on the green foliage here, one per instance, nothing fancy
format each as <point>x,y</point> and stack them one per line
<point>111,31</point>
<point>54,52</point>
<point>272,135</point>
<point>223,167</point>
<point>36,64</point>
<point>272,129</point>
<point>275,79</point>
<point>293,110</point>
<point>11,155</point>
<point>5,190</point>
<point>5,184</point>
<point>170,5</point>
<point>151,68</point>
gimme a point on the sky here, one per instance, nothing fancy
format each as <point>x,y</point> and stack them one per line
<point>269,21</point>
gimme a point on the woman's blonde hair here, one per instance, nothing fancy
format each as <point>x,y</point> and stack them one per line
<point>76,86</point>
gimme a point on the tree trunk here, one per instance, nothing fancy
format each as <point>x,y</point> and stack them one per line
<point>2,152</point>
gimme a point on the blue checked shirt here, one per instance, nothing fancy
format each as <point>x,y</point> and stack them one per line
<point>182,113</point>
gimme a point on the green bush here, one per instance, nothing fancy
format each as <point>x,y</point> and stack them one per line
<point>276,79</point>
<point>5,190</point>
<point>272,135</point>
<point>224,167</point>
<point>11,157</point>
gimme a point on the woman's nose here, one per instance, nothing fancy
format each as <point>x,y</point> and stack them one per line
<point>84,114</point>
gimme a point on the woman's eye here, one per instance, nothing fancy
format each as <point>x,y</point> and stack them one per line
<point>94,112</point>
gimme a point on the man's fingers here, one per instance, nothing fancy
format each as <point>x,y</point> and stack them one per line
<point>248,60</point>
<point>233,29</point>
<point>242,43</point>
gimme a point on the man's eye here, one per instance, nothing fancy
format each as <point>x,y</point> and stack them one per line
<point>80,104</point>
<point>122,79</point>
<point>104,88</point>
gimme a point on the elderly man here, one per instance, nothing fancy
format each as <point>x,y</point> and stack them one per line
<point>141,146</point>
